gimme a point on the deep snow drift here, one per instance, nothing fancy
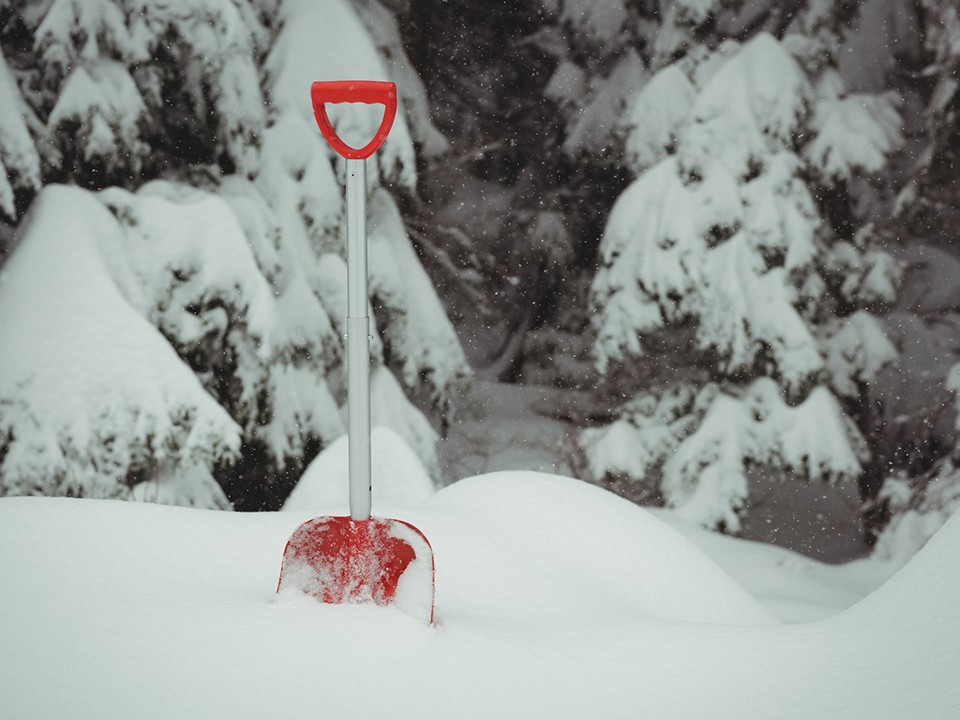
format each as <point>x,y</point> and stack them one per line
<point>554,600</point>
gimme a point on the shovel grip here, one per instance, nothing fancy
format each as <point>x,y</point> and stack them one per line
<point>369,92</point>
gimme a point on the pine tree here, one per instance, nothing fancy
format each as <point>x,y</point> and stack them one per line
<point>914,502</point>
<point>194,330</point>
<point>724,232</point>
<point>929,203</point>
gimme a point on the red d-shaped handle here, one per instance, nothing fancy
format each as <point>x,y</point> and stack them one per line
<point>370,92</point>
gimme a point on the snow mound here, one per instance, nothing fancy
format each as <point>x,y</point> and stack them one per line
<point>555,600</point>
<point>89,390</point>
<point>560,546</point>
<point>398,475</point>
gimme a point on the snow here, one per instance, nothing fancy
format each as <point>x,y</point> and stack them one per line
<point>595,128</point>
<point>327,41</point>
<point>385,32</point>
<point>196,238</point>
<point>660,107</point>
<point>188,485</point>
<point>398,476</point>
<point>391,408</point>
<point>857,349</point>
<point>751,106</point>
<point>102,100</point>
<point>298,182</point>
<point>704,442</point>
<point>657,267</point>
<point>98,24</point>
<point>792,587</point>
<point>648,430</point>
<point>567,85</point>
<point>215,42</point>
<point>19,162</point>
<point>554,599</point>
<point>855,134</point>
<point>98,392</point>
<point>720,232</point>
<point>695,12</point>
<point>599,20</point>
<point>417,329</point>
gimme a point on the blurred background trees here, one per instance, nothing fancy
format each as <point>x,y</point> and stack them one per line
<point>726,225</point>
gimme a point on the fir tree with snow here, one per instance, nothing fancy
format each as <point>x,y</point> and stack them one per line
<point>722,232</point>
<point>198,296</point>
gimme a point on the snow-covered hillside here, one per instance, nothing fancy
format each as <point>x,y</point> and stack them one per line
<point>554,600</point>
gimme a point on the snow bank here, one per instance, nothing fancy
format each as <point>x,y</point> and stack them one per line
<point>398,476</point>
<point>555,600</point>
<point>792,587</point>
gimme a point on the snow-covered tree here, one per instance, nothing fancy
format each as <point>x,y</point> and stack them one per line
<point>185,328</point>
<point>722,232</point>
<point>19,161</point>
<point>918,480</point>
<point>929,202</point>
<point>918,507</point>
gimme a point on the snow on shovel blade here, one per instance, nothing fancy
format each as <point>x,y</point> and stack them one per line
<point>379,560</point>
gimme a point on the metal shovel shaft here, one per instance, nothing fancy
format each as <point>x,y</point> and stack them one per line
<point>359,558</point>
<point>358,341</point>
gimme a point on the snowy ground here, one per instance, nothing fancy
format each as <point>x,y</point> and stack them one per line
<point>554,599</point>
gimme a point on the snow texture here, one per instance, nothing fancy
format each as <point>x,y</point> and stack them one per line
<point>661,106</point>
<point>327,41</point>
<point>595,128</point>
<point>919,513</point>
<point>705,478</point>
<point>658,266</point>
<point>857,350</point>
<point>721,232</point>
<point>417,330</point>
<point>854,134</point>
<point>101,100</point>
<point>244,279</point>
<point>92,394</point>
<point>188,486</point>
<point>19,161</point>
<point>532,586</point>
<point>391,408</point>
<point>398,476</point>
<point>599,20</point>
<point>696,446</point>
<point>95,42</point>
<point>276,335</point>
<point>750,108</point>
<point>385,32</point>
<point>567,85</point>
<point>648,430</point>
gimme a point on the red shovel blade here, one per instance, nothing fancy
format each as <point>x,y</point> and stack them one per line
<point>342,560</point>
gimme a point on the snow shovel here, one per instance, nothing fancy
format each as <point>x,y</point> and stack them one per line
<point>359,558</point>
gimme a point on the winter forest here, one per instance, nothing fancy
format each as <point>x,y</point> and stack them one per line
<point>699,255</point>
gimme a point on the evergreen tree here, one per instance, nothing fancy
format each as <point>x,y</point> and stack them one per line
<point>929,203</point>
<point>197,298</point>
<point>726,232</point>
<point>921,491</point>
